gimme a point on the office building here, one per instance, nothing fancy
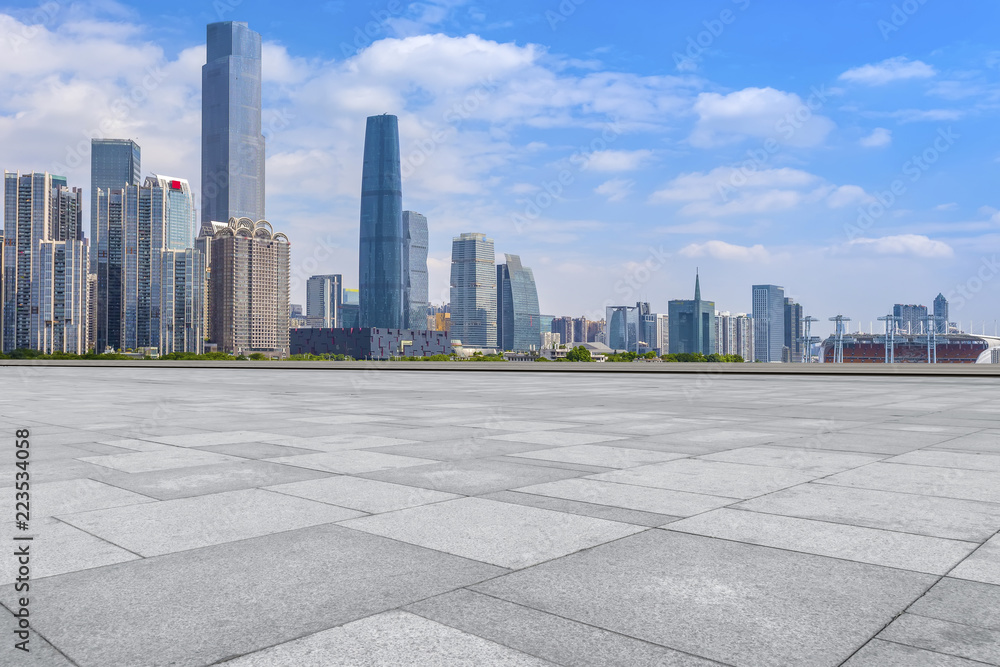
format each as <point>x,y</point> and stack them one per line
<point>769,322</point>
<point>382,264</point>
<point>626,327</point>
<point>323,301</point>
<point>912,319</point>
<point>518,320</point>
<point>182,277</point>
<point>650,333</point>
<point>114,163</point>
<point>59,296</point>
<point>793,331</point>
<point>415,256</point>
<point>370,343</point>
<point>692,324</point>
<point>473,291</point>
<point>248,288</point>
<point>181,214</point>
<point>941,313</point>
<point>232,146</point>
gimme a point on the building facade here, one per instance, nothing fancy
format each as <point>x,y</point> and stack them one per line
<point>323,300</point>
<point>114,163</point>
<point>60,296</point>
<point>248,289</point>
<point>473,291</point>
<point>518,320</point>
<point>181,214</point>
<point>370,343</point>
<point>66,218</point>
<point>232,146</point>
<point>769,322</point>
<point>182,301</point>
<point>692,324</point>
<point>912,318</point>
<point>382,261</point>
<point>793,331</point>
<point>626,326</point>
<point>941,313</point>
<point>415,254</point>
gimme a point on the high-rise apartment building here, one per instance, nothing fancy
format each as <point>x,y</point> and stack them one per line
<point>692,324</point>
<point>181,213</point>
<point>232,146</point>
<point>793,330</point>
<point>92,310</point>
<point>743,332</point>
<point>941,313</point>
<point>626,327</point>
<point>912,318</point>
<point>415,257</point>
<point>248,289</point>
<point>382,264</point>
<point>473,291</point>
<point>323,300</point>
<point>518,320</point>
<point>769,322</point>
<point>66,219</point>
<point>565,328</point>
<point>59,295</point>
<point>114,163</point>
<point>182,276</point>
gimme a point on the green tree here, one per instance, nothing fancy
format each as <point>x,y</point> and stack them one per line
<point>579,353</point>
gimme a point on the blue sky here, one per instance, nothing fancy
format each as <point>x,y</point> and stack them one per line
<point>844,150</point>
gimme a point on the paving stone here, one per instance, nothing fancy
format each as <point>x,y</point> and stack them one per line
<point>197,608</point>
<point>159,460</point>
<point>389,638</point>
<point>555,438</point>
<point>189,523</point>
<point>964,641</point>
<point>878,653</point>
<point>350,461</point>
<point>923,515</point>
<point>818,462</point>
<point>511,536</point>
<point>501,424</point>
<point>597,455</point>
<point>458,450</point>
<point>961,601</point>
<point>930,555</point>
<point>986,441</point>
<point>337,443</point>
<point>983,565</point>
<point>79,495</point>
<point>731,480</point>
<point>257,450</point>
<point>922,480</point>
<point>731,602</point>
<point>40,653</point>
<point>560,640</point>
<point>642,498</point>
<point>366,495</point>
<point>622,515</point>
<point>212,438</point>
<point>474,477</point>
<point>950,459</point>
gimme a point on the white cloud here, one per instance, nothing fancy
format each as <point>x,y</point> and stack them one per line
<point>893,69</point>
<point>727,251</point>
<point>616,189</point>
<point>922,115</point>
<point>759,113</point>
<point>613,160</point>
<point>904,244</point>
<point>847,195</point>
<point>879,138</point>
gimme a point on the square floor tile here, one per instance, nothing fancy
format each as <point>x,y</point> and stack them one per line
<point>642,498</point>
<point>950,459</point>
<point>473,477</point>
<point>983,565</point>
<point>878,653</point>
<point>159,460</point>
<point>511,536</point>
<point>366,495</point>
<point>818,462</point>
<point>605,456</point>
<point>350,461</point>
<point>555,438</point>
<point>932,634</point>
<point>256,450</point>
<point>79,495</point>
<point>923,480</point>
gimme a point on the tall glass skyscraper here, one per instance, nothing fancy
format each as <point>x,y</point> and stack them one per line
<point>181,214</point>
<point>473,291</point>
<point>941,313</point>
<point>114,163</point>
<point>415,233</point>
<point>232,146</point>
<point>382,280</point>
<point>768,322</point>
<point>692,324</point>
<point>518,319</point>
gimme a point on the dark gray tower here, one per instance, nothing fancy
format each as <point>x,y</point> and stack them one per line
<point>114,163</point>
<point>382,280</point>
<point>232,147</point>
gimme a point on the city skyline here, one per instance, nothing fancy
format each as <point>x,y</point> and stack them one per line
<point>937,236</point>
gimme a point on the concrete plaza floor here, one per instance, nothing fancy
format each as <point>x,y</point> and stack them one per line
<point>253,517</point>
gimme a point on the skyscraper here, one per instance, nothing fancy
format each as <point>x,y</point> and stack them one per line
<point>232,146</point>
<point>323,300</point>
<point>382,262</point>
<point>114,163</point>
<point>181,301</point>
<point>473,291</point>
<point>59,296</point>
<point>181,213</point>
<point>628,325</point>
<point>793,330</point>
<point>248,288</point>
<point>692,324</point>
<point>912,318</point>
<point>415,256</point>
<point>769,322</point>
<point>941,313</point>
<point>518,319</point>
<point>66,223</point>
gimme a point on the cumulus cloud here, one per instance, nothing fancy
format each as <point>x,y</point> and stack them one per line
<point>759,113</point>
<point>887,71</point>
<point>914,245</point>
<point>616,189</point>
<point>847,195</point>
<point>879,138</point>
<point>613,160</point>
<point>727,251</point>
